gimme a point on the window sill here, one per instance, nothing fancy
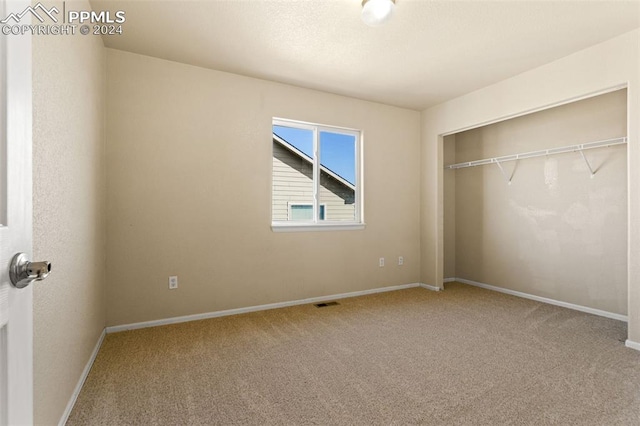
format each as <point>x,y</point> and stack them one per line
<point>312,227</point>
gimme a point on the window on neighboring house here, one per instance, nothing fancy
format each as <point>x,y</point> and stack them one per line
<point>316,177</point>
<point>304,211</point>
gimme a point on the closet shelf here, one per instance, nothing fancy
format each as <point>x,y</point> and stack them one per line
<point>545,152</point>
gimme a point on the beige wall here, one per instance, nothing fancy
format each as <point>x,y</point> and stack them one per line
<point>189,159</point>
<point>449,213</point>
<point>68,212</point>
<point>554,232</point>
<point>600,67</point>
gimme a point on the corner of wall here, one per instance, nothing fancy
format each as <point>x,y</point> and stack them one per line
<point>69,194</point>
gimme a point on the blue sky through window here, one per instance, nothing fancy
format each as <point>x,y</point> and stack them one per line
<point>337,151</point>
<point>299,138</point>
<point>338,154</point>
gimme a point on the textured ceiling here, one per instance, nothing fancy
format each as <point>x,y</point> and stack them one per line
<point>429,52</point>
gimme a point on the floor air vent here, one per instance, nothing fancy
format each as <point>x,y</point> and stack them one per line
<point>325,304</point>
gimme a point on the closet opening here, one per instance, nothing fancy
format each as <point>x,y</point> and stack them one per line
<point>537,205</point>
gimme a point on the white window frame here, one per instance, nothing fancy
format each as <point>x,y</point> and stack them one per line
<point>315,224</point>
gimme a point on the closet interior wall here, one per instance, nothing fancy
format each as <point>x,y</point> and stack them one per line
<point>553,232</point>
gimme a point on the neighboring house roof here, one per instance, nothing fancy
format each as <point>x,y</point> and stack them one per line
<point>305,157</point>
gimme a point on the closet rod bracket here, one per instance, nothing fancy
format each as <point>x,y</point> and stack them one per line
<point>584,157</point>
<point>504,174</point>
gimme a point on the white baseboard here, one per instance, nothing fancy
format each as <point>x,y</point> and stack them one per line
<point>546,300</point>
<point>430,287</point>
<point>83,377</point>
<point>633,345</point>
<point>216,314</point>
<point>448,280</point>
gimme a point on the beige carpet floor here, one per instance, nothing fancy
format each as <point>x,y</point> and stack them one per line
<point>457,357</point>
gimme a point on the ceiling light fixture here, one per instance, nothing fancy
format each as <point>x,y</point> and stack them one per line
<point>377,12</point>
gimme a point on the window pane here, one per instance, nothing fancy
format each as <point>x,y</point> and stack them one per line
<point>292,173</point>
<point>300,139</point>
<point>338,176</point>
<point>301,212</point>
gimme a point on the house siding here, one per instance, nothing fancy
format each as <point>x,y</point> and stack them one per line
<point>293,183</point>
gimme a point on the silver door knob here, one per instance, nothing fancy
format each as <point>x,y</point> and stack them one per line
<point>22,272</point>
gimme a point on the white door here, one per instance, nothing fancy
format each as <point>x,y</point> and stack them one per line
<point>16,323</point>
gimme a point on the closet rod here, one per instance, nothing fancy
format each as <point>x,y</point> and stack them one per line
<point>552,151</point>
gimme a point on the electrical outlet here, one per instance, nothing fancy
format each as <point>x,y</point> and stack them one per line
<point>173,282</point>
<point>400,260</point>
<point>381,262</point>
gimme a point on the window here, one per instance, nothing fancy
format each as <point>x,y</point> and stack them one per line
<point>316,177</point>
<point>304,211</point>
